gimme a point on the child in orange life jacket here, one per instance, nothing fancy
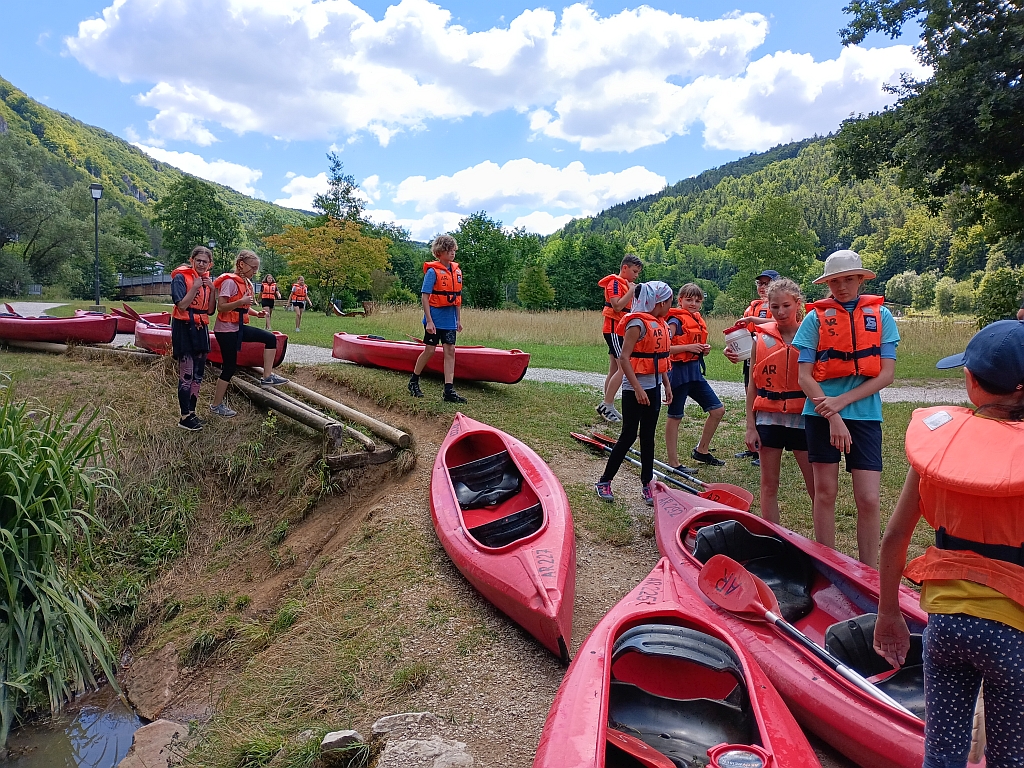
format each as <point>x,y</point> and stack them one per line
<point>193,296</point>
<point>268,293</point>
<point>644,357</point>
<point>618,295</point>
<point>689,344</point>
<point>965,479</point>
<point>235,294</point>
<point>441,296</point>
<point>847,356</point>
<point>297,299</point>
<point>775,421</point>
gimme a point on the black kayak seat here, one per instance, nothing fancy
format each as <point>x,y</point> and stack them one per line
<point>788,571</point>
<point>852,642</point>
<point>486,481</point>
<point>505,530</point>
<point>681,729</point>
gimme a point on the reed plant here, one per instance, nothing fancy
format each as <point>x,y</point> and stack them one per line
<point>52,470</point>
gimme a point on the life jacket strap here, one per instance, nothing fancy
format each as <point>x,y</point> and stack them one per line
<point>838,354</point>
<point>1005,552</point>
<point>651,355</point>
<point>768,394</point>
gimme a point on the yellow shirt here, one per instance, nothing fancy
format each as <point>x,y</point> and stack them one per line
<point>959,596</point>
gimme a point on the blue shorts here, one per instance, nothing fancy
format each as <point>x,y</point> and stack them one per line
<point>701,393</point>
<point>866,452</point>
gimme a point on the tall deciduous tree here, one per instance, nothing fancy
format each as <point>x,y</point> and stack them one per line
<point>342,199</point>
<point>535,291</point>
<point>486,258</point>
<point>576,264</point>
<point>190,214</point>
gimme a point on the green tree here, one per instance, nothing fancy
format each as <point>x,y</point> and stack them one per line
<point>486,258</point>
<point>132,256</point>
<point>535,291</point>
<point>924,291</point>
<point>342,200</point>
<point>576,263</point>
<point>268,223</point>
<point>900,288</point>
<point>406,256</point>
<point>191,214</point>
<point>998,296</point>
<point>963,297</point>
<point>944,290</point>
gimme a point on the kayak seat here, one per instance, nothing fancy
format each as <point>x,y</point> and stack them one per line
<point>485,482</point>
<point>787,570</point>
<point>681,729</point>
<point>851,642</point>
<point>505,530</point>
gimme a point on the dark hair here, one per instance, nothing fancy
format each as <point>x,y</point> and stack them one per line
<point>633,260</point>
<point>1013,412</point>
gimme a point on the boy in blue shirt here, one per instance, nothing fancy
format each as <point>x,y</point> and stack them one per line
<point>847,349</point>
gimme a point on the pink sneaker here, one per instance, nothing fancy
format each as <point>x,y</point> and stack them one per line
<point>648,495</point>
<point>604,491</point>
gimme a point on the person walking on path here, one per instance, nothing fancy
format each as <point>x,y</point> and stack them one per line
<point>618,295</point>
<point>965,480</point>
<point>193,295</point>
<point>644,356</point>
<point>775,402</point>
<point>234,298</point>
<point>441,297</point>
<point>268,293</point>
<point>297,299</point>
<point>847,356</point>
<point>689,345</point>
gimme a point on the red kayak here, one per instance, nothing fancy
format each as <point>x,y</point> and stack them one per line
<point>662,682</point>
<point>503,366</point>
<point>126,324</point>
<point>504,519</point>
<point>94,329</point>
<point>157,338</point>
<point>829,597</point>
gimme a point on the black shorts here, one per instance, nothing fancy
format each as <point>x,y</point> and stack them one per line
<point>610,340</point>
<point>783,438</point>
<point>443,336</point>
<point>866,452</point>
<point>299,304</point>
<point>269,303</point>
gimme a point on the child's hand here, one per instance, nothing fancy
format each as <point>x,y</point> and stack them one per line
<point>827,407</point>
<point>731,356</point>
<point>892,638</point>
<point>753,440</point>
<point>704,349</point>
<point>840,434</point>
<point>667,400</point>
<point>642,398</point>
<point>430,327</point>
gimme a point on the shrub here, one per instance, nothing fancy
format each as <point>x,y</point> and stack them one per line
<point>924,290</point>
<point>997,296</point>
<point>900,288</point>
<point>944,295</point>
<point>399,294</point>
<point>963,297</point>
<point>535,291</point>
<point>14,275</point>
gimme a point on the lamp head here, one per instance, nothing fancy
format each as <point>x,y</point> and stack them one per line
<point>212,244</point>
<point>96,190</point>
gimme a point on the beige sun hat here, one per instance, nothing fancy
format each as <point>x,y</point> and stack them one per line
<point>844,263</point>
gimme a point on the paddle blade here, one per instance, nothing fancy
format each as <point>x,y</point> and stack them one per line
<point>646,755</point>
<point>731,496</point>
<point>733,588</point>
<point>11,309</point>
<point>600,447</point>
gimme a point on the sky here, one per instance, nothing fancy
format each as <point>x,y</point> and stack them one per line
<point>533,113</point>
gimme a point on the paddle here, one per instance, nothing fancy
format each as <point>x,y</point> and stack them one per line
<point>733,588</point>
<point>11,310</point>
<point>728,490</point>
<point>135,315</point>
<point>644,754</point>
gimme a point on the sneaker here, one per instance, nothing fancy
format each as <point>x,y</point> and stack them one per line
<point>756,462</point>
<point>273,380</point>
<point>612,414</point>
<point>451,396</point>
<point>648,495</point>
<point>604,491</point>
<point>744,455</point>
<point>686,470</point>
<point>191,423</point>
<point>706,458</point>
<point>223,410</point>
<point>414,389</point>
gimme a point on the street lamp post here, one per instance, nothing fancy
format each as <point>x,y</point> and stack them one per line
<point>97,193</point>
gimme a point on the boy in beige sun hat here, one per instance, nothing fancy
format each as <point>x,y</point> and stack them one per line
<point>847,345</point>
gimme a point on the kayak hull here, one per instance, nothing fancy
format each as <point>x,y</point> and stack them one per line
<point>530,577</point>
<point>870,733</point>
<point>157,338</point>
<point>93,329</point>
<point>126,324</point>
<point>576,733</point>
<point>501,366</point>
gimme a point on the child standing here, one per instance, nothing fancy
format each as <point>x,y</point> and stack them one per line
<point>847,356</point>
<point>618,294</point>
<point>775,402</point>
<point>297,299</point>
<point>441,296</point>
<point>689,345</point>
<point>194,301</point>
<point>644,357</point>
<point>965,480</point>
<point>268,293</point>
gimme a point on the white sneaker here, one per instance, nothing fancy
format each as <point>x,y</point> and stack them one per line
<point>610,414</point>
<point>223,410</point>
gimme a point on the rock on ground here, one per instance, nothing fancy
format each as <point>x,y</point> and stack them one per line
<point>152,745</point>
<point>434,752</point>
<point>150,682</point>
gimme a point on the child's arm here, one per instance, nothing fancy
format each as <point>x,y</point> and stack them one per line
<point>696,349</point>
<point>838,431</point>
<point>827,406</point>
<point>628,342</point>
<point>429,321</point>
<point>667,381</point>
<point>619,303</point>
<point>752,439</point>
<point>755,320</point>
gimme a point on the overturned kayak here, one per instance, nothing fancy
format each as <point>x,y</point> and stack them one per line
<point>662,682</point>
<point>91,329</point>
<point>157,338</point>
<point>502,366</point>
<point>126,324</point>
<point>504,519</point>
<point>831,598</point>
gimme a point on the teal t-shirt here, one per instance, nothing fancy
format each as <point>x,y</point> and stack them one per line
<point>866,409</point>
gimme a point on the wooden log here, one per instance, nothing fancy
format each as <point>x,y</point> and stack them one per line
<point>379,428</point>
<point>331,429</point>
<point>94,351</point>
<point>354,460</point>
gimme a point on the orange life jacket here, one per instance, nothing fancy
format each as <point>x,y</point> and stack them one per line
<point>757,308</point>
<point>775,372</point>
<point>972,494</point>
<point>849,343</point>
<point>608,310</point>
<point>198,310</point>
<point>447,291</point>
<point>268,291</point>
<point>650,353</point>
<point>695,331</point>
<point>245,288</point>
<point>299,292</point>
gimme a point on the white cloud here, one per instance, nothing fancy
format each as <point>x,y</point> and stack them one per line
<point>541,222</point>
<point>239,177</point>
<point>423,228</point>
<point>302,189</point>
<point>371,188</point>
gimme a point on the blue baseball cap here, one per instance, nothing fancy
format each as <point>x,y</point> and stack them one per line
<point>994,354</point>
<point>771,274</point>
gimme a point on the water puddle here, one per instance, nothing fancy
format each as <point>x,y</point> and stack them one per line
<point>95,733</point>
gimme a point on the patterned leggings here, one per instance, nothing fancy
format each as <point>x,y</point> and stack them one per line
<point>190,376</point>
<point>959,652</point>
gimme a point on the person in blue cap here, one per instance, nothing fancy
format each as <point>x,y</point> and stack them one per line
<point>966,479</point>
